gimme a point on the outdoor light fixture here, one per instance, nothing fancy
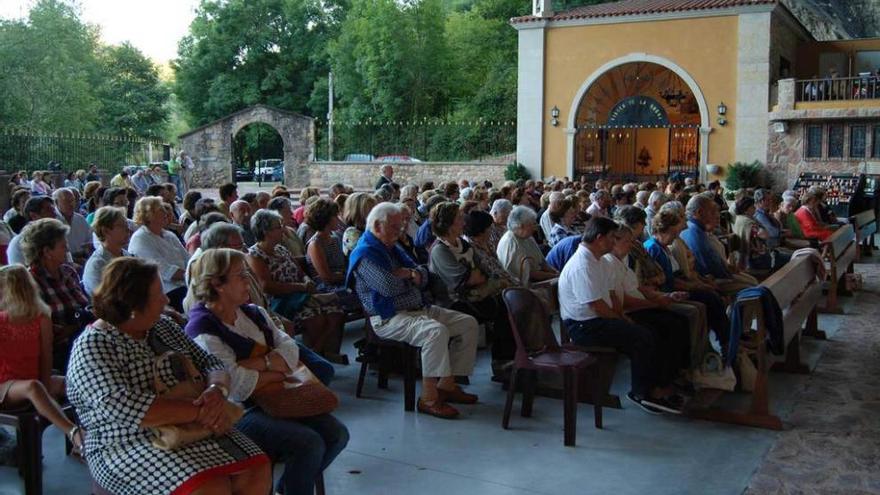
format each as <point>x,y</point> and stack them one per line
<point>554,116</point>
<point>722,111</point>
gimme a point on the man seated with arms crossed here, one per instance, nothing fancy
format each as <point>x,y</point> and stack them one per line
<point>587,311</point>
<point>389,285</point>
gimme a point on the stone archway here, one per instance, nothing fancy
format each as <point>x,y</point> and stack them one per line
<point>210,145</point>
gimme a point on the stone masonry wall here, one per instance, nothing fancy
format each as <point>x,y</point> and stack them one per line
<point>363,175</point>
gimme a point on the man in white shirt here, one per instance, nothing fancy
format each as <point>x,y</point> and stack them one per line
<point>601,200</point>
<point>588,312</point>
<point>79,233</point>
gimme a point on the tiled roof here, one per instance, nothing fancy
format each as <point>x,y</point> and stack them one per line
<point>642,7</point>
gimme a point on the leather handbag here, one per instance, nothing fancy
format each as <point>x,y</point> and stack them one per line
<point>172,437</point>
<point>301,395</point>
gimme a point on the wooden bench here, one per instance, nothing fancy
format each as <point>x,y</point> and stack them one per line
<point>865,225</point>
<point>839,252</point>
<point>798,291</point>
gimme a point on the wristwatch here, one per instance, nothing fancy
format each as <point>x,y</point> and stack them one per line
<point>222,388</point>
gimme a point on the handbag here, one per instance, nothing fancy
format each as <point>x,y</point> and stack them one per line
<point>713,374</point>
<point>191,386</point>
<point>301,395</point>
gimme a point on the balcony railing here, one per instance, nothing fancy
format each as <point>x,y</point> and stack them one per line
<point>837,89</point>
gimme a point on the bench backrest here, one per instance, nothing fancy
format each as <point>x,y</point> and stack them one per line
<point>792,280</point>
<point>865,223</point>
<point>840,240</point>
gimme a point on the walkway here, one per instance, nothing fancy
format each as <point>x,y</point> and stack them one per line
<point>829,446</point>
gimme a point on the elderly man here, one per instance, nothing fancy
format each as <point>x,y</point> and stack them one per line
<point>386,177</point>
<point>240,212</point>
<point>779,236</point>
<point>702,218</point>
<point>588,312</point>
<point>79,233</point>
<point>642,198</point>
<point>546,222</point>
<point>601,200</point>
<point>140,181</point>
<point>389,285</point>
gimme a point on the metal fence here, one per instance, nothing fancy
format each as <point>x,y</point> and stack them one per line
<point>865,87</point>
<point>28,150</point>
<point>426,139</point>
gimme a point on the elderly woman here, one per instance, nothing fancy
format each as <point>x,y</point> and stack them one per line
<point>357,207</point>
<point>292,293</point>
<point>465,283</point>
<point>500,211</point>
<point>650,277</point>
<point>562,215</point>
<point>517,250</point>
<point>111,228</point>
<point>477,227</point>
<point>667,225</point>
<point>754,252</point>
<point>290,239</point>
<point>406,242</point>
<point>786,217</point>
<point>44,246</point>
<point>151,241</point>
<point>202,207</point>
<point>258,355</point>
<point>39,186</point>
<point>114,369</point>
<point>324,259</point>
<point>810,219</point>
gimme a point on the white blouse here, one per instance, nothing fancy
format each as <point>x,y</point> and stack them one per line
<point>166,250</point>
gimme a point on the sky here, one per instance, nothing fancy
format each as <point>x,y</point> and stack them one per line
<point>153,26</point>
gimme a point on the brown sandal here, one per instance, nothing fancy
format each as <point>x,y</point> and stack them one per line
<point>437,408</point>
<point>457,396</point>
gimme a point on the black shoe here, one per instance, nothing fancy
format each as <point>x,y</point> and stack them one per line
<point>671,404</point>
<point>642,404</point>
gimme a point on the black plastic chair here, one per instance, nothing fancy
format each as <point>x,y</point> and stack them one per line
<point>537,349</point>
<point>29,427</point>
<point>378,357</point>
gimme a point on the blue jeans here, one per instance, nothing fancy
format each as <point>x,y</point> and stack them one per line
<point>306,446</point>
<point>320,367</point>
<point>178,184</point>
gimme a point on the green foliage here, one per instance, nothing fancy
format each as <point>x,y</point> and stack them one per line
<point>257,141</point>
<point>57,77</point>
<point>133,97</point>
<point>516,171</point>
<point>746,175</point>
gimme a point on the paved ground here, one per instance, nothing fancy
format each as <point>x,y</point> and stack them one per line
<point>829,446</point>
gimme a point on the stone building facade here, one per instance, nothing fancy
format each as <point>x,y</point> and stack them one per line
<point>363,175</point>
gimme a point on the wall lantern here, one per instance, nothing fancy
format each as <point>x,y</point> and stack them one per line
<point>554,116</point>
<point>722,112</point>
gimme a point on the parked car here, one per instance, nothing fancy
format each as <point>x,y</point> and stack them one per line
<point>270,170</point>
<point>244,175</point>
<point>359,157</point>
<point>397,158</point>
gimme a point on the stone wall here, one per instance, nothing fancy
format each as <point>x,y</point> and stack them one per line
<point>786,151</point>
<point>363,175</point>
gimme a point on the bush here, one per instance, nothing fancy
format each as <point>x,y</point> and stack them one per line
<point>516,171</point>
<point>747,175</point>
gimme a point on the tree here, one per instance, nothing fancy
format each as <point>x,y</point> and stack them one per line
<point>274,57</point>
<point>134,99</point>
<point>49,69</point>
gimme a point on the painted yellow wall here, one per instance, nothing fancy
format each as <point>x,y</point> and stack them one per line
<point>706,48</point>
<point>840,104</point>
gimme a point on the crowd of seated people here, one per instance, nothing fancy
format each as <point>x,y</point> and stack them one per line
<point>112,276</point>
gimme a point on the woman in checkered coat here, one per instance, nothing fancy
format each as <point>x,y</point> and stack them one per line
<point>110,382</point>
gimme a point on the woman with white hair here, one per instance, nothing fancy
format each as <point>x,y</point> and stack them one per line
<point>153,242</point>
<point>517,250</point>
<point>500,211</point>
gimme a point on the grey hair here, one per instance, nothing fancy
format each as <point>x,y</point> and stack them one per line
<point>409,191</point>
<point>656,196</point>
<point>384,193</point>
<point>380,213</point>
<point>599,194</point>
<point>217,235</point>
<point>466,194</point>
<point>61,190</point>
<point>642,197</point>
<point>263,221</point>
<point>501,205</point>
<point>695,204</point>
<point>556,197</point>
<point>675,206</point>
<point>385,167</point>
<point>760,194</point>
<point>520,216</point>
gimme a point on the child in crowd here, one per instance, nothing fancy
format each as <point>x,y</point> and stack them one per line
<point>26,352</point>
